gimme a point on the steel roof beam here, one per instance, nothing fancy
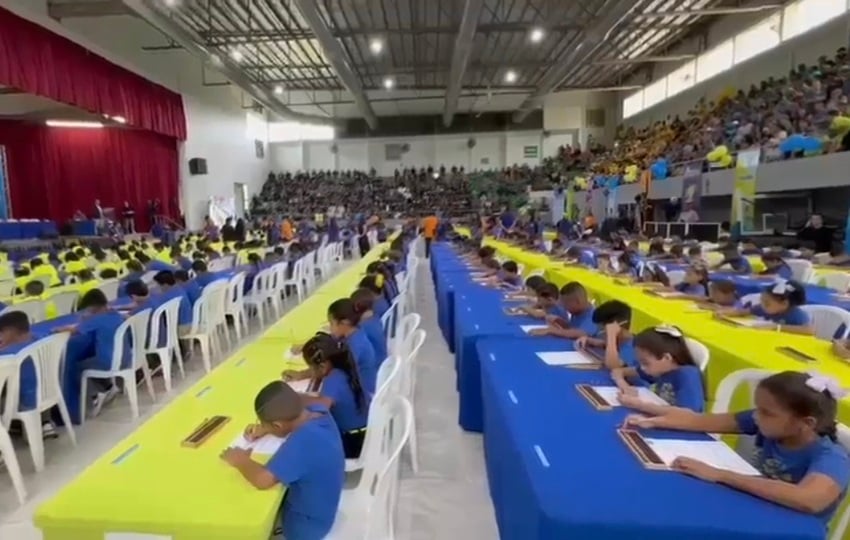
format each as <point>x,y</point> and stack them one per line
<point>708,12</point>
<point>337,58</point>
<point>460,56</point>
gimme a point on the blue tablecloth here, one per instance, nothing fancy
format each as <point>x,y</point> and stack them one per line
<point>84,227</point>
<point>557,468</point>
<point>23,230</point>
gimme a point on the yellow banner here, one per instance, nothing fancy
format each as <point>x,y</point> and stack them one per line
<point>744,196</point>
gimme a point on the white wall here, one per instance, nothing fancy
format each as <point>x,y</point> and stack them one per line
<point>492,150</point>
<point>777,62</point>
<point>565,112</point>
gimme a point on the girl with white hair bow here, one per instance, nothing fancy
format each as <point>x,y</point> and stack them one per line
<point>796,448</point>
<point>779,304</point>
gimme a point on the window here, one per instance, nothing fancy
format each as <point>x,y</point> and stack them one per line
<point>757,39</point>
<point>681,79</point>
<point>715,61</point>
<point>655,93</point>
<point>803,15</point>
<point>633,104</point>
<point>294,131</point>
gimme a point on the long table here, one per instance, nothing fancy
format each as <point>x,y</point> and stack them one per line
<point>148,483</point>
<point>731,347</point>
<point>558,469</point>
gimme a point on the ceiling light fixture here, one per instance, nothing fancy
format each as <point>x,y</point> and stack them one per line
<point>215,59</point>
<point>278,90</point>
<point>389,83</point>
<point>73,124</point>
<point>536,35</point>
<point>236,54</point>
<point>510,76</point>
<point>171,3</point>
<point>376,46</point>
<point>120,119</point>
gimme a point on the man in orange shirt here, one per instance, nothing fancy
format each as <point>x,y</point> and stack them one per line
<point>429,231</point>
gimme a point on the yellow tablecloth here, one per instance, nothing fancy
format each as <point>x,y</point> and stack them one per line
<point>732,348</point>
<point>149,483</point>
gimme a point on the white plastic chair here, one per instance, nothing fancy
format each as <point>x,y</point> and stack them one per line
<point>727,389</point>
<point>699,353</point>
<point>297,280</point>
<point>35,309</point>
<point>408,324</point>
<point>235,304</point>
<point>839,281</point>
<point>368,510</point>
<point>407,385</point>
<point>752,299</point>
<point>261,294</point>
<point>65,302</point>
<point>676,277</point>
<point>827,320</point>
<point>837,532</point>
<point>147,277</point>
<point>137,326</point>
<point>388,384</point>
<point>47,356</point>
<point>8,373</point>
<point>207,317</point>
<point>165,318</point>
<point>109,288</point>
<point>801,269</point>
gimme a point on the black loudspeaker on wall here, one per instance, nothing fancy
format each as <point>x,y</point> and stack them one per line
<point>197,166</point>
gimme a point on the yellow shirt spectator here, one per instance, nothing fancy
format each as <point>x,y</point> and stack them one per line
<point>72,267</point>
<point>107,266</point>
<point>49,271</point>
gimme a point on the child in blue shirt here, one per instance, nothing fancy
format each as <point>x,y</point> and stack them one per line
<point>793,422</point>
<point>547,303</point>
<point>695,282</point>
<point>665,362</point>
<point>310,463</point>
<point>97,331</point>
<point>334,377</point>
<point>612,320</point>
<point>203,277</point>
<point>169,290</point>
<point>722,294</point>
<point>371,324</point>
<point>509,275</point>
<point>774,265</point>
<point>736,262</point>
<point>375,283</point>
<point>579,314</point>
<point>780,303</point>
<point>192,289</point>
<point>343,320</point>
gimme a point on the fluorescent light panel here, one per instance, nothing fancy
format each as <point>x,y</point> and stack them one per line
<point>73,124</point>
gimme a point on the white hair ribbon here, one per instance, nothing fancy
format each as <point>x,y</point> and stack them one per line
<point>782,287</point>
<point>823,383</point>
<point>669,330</point>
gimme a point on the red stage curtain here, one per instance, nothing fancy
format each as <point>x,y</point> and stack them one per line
<point>37,61</point>
<point>53,172</point>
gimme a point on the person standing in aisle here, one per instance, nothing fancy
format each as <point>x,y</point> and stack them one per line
<point>429,231</point>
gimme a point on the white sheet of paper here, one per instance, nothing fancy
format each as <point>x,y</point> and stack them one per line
<point>266,446</point>
<point>300,386</point>
<point>714,453</point>
<point>529,327</point>
<point>754,323</point>
<point>609,394</point>
<point>565,358</point>
<point>668,294</point>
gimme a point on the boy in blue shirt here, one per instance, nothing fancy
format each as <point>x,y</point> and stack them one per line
<point>736,262</point>
<point>97,332</point>
<point>170,290</point>
<point>311,463</point>
<point>612,320</point>
<point>203,277</point>
<point>15,334</point>
<point>370,323</point>
<point>579,320</point>
<point>193,290</point>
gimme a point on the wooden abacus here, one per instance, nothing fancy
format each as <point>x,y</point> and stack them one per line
<point>641,449</point>
<point>796,355</point>
<point>203,432</point>
<point>593,397</point>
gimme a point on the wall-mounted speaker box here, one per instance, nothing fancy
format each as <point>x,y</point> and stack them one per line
<point>197,166</point>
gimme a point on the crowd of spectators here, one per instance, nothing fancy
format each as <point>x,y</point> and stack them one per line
<point>805,113</point>
<point>453,191</point>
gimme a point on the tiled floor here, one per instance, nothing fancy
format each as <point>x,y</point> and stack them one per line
<point>448,499</point>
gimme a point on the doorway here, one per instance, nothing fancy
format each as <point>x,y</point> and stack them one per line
<point>240,199</point>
